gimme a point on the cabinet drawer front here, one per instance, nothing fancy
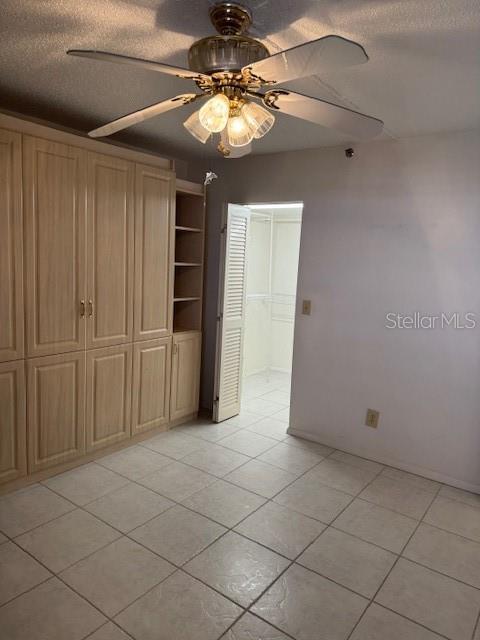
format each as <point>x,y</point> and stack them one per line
<point>151,384</point>
<point>109,391</point>
<point>56,409</point>
<point>55,224</point>
<point>11,247</point>
<point>13,455</point>
<point>154,239</point>
<point>110,248</point>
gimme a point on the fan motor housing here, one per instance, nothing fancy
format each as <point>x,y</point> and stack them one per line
<point>225,53</point>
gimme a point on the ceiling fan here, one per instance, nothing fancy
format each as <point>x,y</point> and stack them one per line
<point>235,72</point>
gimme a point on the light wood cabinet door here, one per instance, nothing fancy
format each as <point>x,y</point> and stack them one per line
<point>54,204</point>
<point>185,374</point>
<point>56,409</point>
<point>151,384</point>
<point>110,250</point>
<point>13,454</point>
<point>154,242</point>
<point>11,247</point>
<point>109,393</point>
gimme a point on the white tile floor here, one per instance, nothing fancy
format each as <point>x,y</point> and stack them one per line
<point>238,531</point>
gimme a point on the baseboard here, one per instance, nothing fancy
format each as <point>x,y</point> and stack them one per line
<point>384,459</point>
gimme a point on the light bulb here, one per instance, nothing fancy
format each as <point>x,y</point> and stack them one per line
<point>196,128</point>
<point>259,119</point>
<point>238,130</point>
<point>214,113</point>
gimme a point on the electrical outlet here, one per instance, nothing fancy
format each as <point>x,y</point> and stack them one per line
<point>306,307</point>
<point>372,418</point>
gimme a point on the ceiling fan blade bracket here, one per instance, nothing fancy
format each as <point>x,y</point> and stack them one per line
<point>271,97</point>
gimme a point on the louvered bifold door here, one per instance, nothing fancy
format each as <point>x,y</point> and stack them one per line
<point>231,318</point>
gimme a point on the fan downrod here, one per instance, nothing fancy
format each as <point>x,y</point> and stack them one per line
<point>230,18</point>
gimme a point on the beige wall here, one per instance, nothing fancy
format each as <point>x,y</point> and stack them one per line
<point>397,228</point>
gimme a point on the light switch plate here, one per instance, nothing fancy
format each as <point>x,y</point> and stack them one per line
<point>372,418</point>
<point>306,307</point>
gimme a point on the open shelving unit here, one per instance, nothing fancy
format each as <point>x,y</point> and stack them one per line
<point>189,256</point>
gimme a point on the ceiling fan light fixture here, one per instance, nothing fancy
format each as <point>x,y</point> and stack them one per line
<point>239,132</point>
<point>196,128</point>
<point>214,113</point>
<point>258,118</point>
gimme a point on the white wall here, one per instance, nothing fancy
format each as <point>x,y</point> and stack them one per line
<point>397,228</point>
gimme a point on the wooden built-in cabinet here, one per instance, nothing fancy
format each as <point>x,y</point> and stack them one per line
<point>56,409</point>
<point>13,455</point>
<point>109,392</point>
<point>104,343</point>
<point>185,374</point>
<point>11,247</point>
<point>152,363</point>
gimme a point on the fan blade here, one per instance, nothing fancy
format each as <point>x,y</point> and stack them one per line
<point>138,62</point>
<point>311,58</point>
<point>324,113</point>
<point>144,114</point>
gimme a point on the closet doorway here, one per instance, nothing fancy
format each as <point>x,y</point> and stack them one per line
<point>256,317</point>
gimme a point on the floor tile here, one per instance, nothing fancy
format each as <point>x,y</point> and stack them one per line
<point>209,431</point>
<point>292,459</point>
<point>3,538</point>
<point>129,507</point>
<point>477,633</point>
<point>380,624</point>
<point>372,523</point>
<point>321,449</point>
<point>135,462</point>
<point>64,541</point>
<point>224,502</point>
<point>18,572</point>
<point>244,419</point>
<point>252,628</point>
<point>173,444</point>
<point>270,427</point>
<point>50,611</point>
<point>23,510</point>
<point>283,415</point>
<point>85,484</point>
<point>178,534</point>
<point>176,609</point>
<point>429,598</point>
<point>314,499</point>
<point>282,530</point>
<point>249,443</point>
<point>351,562</point>
<point>343,477</point>
<point>216,460</point>
<point>456,517</point>
<point>308,606</point>
<point>447,553</point>
<point>237,567</point>
<point>472,499</point>
<point>115,576</point>
<point>177,481</point>
<point>262,407</point>
<point>261,478</point>
<point>403,497</point>
<point>418,481</point>
<point>277,396</point>
<point>109,631</point>
<point>355,461</point>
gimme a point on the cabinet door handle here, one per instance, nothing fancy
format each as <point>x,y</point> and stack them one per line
<point>175,349</point>
<point>90,308</point>
<point>82,308</point>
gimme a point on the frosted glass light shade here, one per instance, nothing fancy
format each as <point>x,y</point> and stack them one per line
<point>259,119</point>
<point>238,130</point>
<point>196,128</point>
<point>234,152</point>
<point>214,113</point>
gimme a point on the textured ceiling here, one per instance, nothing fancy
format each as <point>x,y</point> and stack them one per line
<point>423,75</point>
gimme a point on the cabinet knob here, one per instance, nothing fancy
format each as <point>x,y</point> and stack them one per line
<point>82,308</point>
<point>90,308</point>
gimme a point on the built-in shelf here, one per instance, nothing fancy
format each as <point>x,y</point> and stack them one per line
<point>187,299</point>
<point>190,229</point>
<point>188,264</point>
